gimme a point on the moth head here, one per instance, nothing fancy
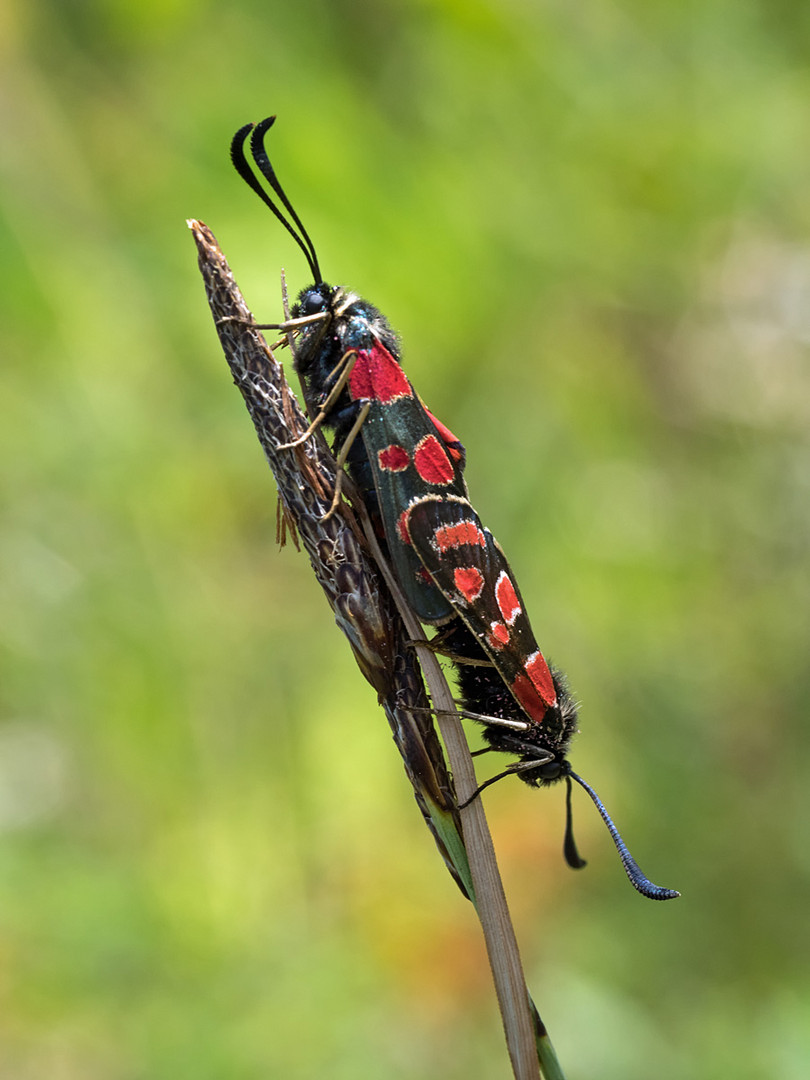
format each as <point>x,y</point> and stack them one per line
<point>314,300</point>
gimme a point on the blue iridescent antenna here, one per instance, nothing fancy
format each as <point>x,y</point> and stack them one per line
<point>637,879</point>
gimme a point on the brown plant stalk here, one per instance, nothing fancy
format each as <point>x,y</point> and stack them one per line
<point>371,611</point>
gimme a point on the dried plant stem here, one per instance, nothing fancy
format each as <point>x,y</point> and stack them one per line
<point>488,895</point>
<point>348,562</point>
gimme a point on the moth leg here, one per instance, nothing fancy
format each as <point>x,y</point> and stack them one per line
<point>288,324</point>
<point>348,359</point>
<point>518,767</point>
<point>435,645</point>
<point>341,459</point>
<point>293,324</point>
<point>469,661</point>
<point>237,320</point>
<point>482,718</point>
<point>466,714</point>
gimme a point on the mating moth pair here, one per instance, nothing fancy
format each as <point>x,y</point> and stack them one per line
<point>409,471</point>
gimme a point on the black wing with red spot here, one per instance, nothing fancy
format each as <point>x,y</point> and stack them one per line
<point>466,563</point>
<point>411,454</point>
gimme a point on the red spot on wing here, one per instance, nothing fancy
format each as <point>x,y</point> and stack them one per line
<point>527,695</point>
<point>453,444</point>
<point>376,376</point>
<point>538,671</point>
<point>498,636</point>
<point>402,526</point>
<point>464,534</point>
<point>469,582</point>
<point>360,385</point>
<point>534,688</point>
<point>507,598</point>
<point>432,462</point>
<point>393,458</point>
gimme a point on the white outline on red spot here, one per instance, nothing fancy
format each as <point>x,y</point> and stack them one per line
<point>469,596</point>
<point>393,468</point>
<point>430,451</point>
<point>514,608</point>
<point>452,537</point>
<point>498,636</point>
<point>545,685</point>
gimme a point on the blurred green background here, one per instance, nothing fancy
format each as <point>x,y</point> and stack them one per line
<point>590,225</point>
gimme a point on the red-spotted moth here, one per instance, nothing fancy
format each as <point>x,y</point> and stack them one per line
<point>522,701</point>
<point>408,468</point>
<point>347,357</point>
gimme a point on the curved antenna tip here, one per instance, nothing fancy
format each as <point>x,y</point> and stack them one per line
<point>572,856</point>
<point>637,878</point>
<point>265,125</point>
<point>257,133</point>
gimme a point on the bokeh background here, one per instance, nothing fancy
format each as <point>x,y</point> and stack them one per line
<point>590,225</point>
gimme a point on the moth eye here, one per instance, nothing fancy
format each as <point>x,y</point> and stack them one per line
<point>312,302</point>
<point>551,770</point>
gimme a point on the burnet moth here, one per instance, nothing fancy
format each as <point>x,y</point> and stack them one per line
<point>408,468</point>
<point>348,359</point>
<point>521,700</point>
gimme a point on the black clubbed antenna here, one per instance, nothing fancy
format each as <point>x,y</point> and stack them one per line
<point>637,879</point>
<point>263,163</point>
